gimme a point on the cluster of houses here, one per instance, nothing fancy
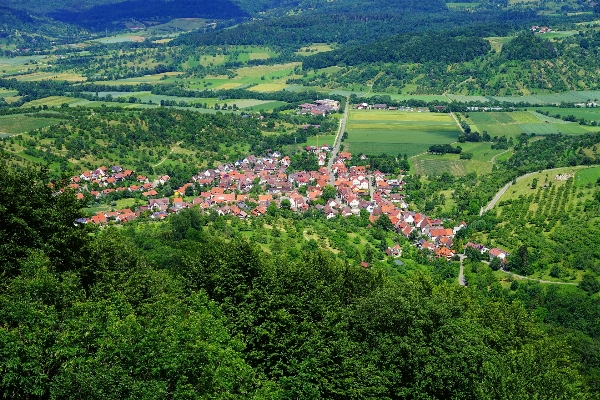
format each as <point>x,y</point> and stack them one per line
<point>249,186</point>
<point>381,106</point>
<point>103,181</point>
<point>320,107</point>
<point>540,29</point>
<point>492,253</point>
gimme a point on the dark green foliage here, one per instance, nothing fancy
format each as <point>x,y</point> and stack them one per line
<point>527,46</point>
<point>189,308</point>
<point>102,16</point>
<point>404,49</point>
<point>444,148</point>
<point>590,283</point>
<point>34,217</point>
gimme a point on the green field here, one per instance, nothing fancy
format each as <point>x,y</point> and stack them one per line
<point>392,132</point>
<point>15,124</point>
<point>553,98</point>
<point>435,165</point>
<point>518,122</point>
<point>587,176</point>
<point>539,129</point>
<point>590,114</point>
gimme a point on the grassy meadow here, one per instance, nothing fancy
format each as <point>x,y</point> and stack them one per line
<point>434,165</point>
<point>512,124</point>
<point>398,132</point>
<point>17,124</point>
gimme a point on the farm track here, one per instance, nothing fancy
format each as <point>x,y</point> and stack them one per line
<point>457,123</point>
<point>493,160</point>
<point>167,156</point>
<point>537,280</point>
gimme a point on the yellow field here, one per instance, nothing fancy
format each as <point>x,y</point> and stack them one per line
<point>259,56</point>
<point>268,87</point>
<point>400,116</point>
<point>229,86</point>
<point>162,41</point>
<point>51,101</point>
<point>39,76</point>
<point>254,72</point>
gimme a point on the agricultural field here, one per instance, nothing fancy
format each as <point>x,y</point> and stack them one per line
<point>154,79</point>
<point>434,165</point>
<point>512,124</point>
<point>589,114</point>
<point>552,98</point>
<point>55,76</point>
<point>498,42</point>
<point>313,49</point>
<point>393,132</point>
<point>587,176</point>
<point>16,124</point>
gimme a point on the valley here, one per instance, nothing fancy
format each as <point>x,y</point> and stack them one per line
<point>299,199</point>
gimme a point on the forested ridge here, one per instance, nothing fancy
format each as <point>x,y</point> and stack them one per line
<point>190,308</point>
<point>405,49</point>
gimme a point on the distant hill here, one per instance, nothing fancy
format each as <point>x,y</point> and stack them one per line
<point>103,16</point>
<point>412,48</point>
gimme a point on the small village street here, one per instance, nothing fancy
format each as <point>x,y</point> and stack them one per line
<point>338,142</point>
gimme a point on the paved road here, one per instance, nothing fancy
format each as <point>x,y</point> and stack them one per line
<point>338,142</point>
<point>461,272</point>
<point>502,191</point>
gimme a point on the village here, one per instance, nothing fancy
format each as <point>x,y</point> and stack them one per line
<point>248,187</point>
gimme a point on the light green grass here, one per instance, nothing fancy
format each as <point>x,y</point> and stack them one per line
<point>523,187</point>
<point>590,114</point>
<point>15,124</point>
<point>435,167</point>
<point>378,131</point>
<point>586,176</point>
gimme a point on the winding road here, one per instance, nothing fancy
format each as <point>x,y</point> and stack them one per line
<point>503,190</point>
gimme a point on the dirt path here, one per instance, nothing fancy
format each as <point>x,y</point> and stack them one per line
<point>493,160</point>
<point>457,123</point>
<point>537,280</point>
<point>167,156</point>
